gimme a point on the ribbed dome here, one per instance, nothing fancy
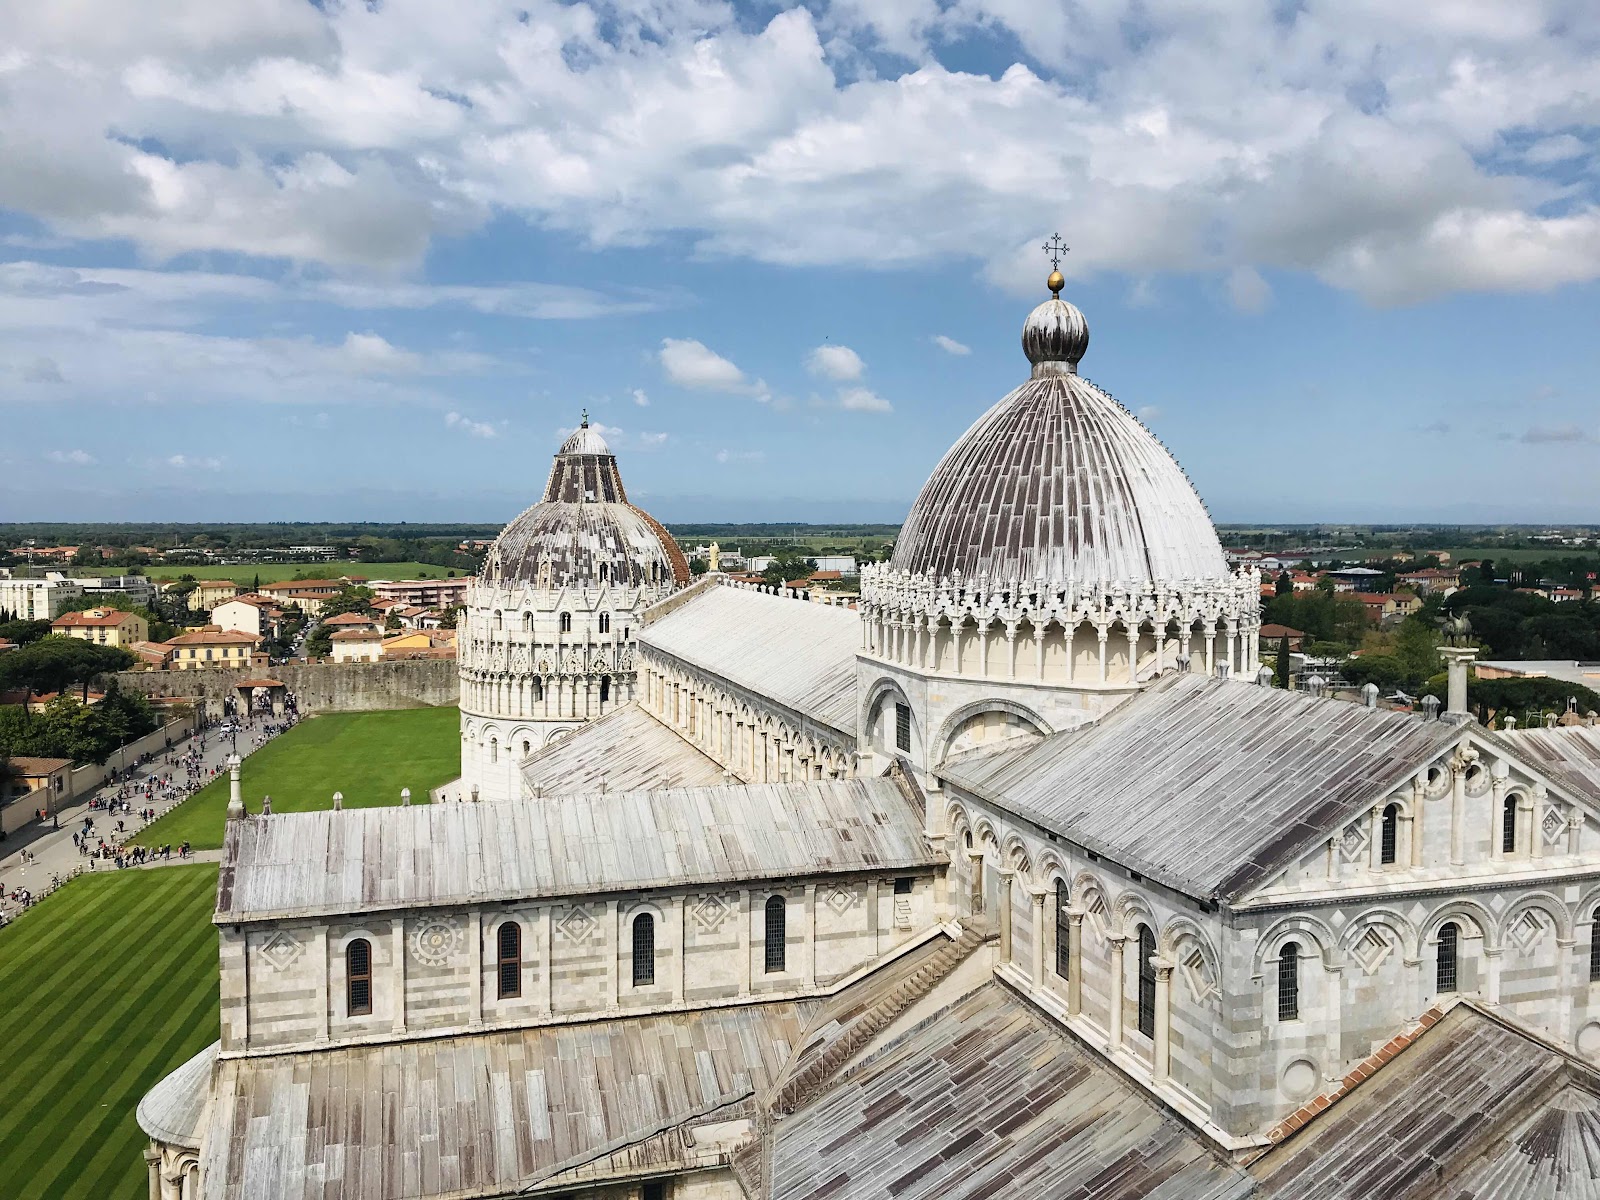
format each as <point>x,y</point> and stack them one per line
<point>584,528</point>
<point>1059,482</point>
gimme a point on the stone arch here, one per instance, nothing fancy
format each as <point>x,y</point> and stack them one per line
<point>1547,903</point>
<point>1085,891</point>
<point>984,835</point>
<point>1180,940</point>
<point>1459,911</point>
<point>1297,927</point>
<point>1131,909</point>
<point>958,723</point>
<point>884,691</point>
<point>1050,868</point>
<point>1398,924</point>
<point>555,735</point>
<point>1585,914</point>
<point>1015,853</point>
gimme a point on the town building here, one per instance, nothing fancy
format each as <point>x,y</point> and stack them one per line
<point>31,785</point>
<point>354,621</point>
<point>103,627</point>
<point>36,599</point>
<point>308,594</point>
<point>212,646</point>
<point>362,644</point>
<point>135,589</point>
<point>424,593</point>
<point>421,643</point>
<point>249,612</point>
<point>209,593</point>
<point>1019,880</point>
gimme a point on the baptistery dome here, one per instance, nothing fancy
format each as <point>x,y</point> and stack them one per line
<point>583,530</point>
<point>1059,482</point>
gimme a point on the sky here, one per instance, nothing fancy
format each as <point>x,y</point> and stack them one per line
<point>271,259</point>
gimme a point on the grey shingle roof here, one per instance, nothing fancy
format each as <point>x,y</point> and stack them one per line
<point>796,652</point>
<point>172,1110</point>
<point>623,750</point>
<point>985,1099</point>
<point>1207,785</point>
<point>1570,755</point>
<point>485,1114</point>
<point>1473,1110</point>
<point>375,859</point>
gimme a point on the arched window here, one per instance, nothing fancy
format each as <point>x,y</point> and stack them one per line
<point>527,622</point>
<point>494,750</point>
<point>777,946</point>
<point>1390,832</point>
<point>1594,946</point>
<point>566,622</point>
<point>644,950</point>
<point>605,576</point>
<point>527,747</point>
<point>1508,826</point>
<point>510,960</point>
<point>1147,982</point>
<point>605,688</point>
<point>1063,931</point>
<point>499,620</point>
<point>358,978</point>
<point>1289,982</point>
<point>1445,970</point>
<point>538,688</point>
<point>605,622</point>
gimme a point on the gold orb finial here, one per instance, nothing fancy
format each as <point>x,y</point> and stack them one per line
<point>1055,283</point>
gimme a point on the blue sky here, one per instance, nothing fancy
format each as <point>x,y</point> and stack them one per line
<point>279,261</point>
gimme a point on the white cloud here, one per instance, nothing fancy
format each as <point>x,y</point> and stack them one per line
<point>190,462</point>
<point>639,397</point>
<point>741,456</point>
<point>949,345</point>
<point>1249,292</point>
<point>839,363</point>
<point>860,399</point>
<point>648,440</point>
<point>369,353</point>
<point>71,458</point>
<point>693,365</point>
<point>1397,153</point>
<point>477,429</point>
<point>1149,412</point>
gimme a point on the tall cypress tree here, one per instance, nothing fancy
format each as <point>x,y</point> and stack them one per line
<point>1281,677</point>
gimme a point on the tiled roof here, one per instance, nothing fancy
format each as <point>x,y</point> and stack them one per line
<point>25,765</point>
<point>213,637</point>
<point>93,617</point>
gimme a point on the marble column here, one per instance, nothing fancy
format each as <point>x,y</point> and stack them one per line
<point>1162,1063</point>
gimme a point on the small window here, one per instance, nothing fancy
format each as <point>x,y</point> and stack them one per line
<point>605,688</point>
<point>1389,832</point>
<point>1147,982</point>
<point>902,885</point>
<point>510,960</point>
<point>644,950</point>
<point>494,750</point>
<point>566,622</point>
<point>1063,932</point>
<point>1289,982</point>
<point>538,688</point>
<point>902,728</point>
<point>1508,826</point>
<point>358,978</point>
<point>605,622</point>
<point>499,620</point>
<point>527,747</point>
<point>777,945</point>
<point>527,622</point>
<point>654,1190</point>
<point>1445,972</point>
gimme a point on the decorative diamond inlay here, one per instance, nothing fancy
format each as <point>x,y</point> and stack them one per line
<point>282,950</point>
<point>1528,931</point>
<point>1372,949</point>
<point>709,912</point>
<point>1353,844</point>
<point>842,900</point>
<point>1198,976</point>
<point>1555,824</point>
<point>577,925</point>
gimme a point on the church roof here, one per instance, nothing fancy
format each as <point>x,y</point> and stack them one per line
<point>1569,754</point>
<point>172,1111</point>
<point>378,859</point>
<point>1472,1108</point>
<point>986,1099</point>
<point>488,1113</point>
<point>1207,784</point>
<point>799,653</point>
<point>625,749</point>
<point>1059,482</point>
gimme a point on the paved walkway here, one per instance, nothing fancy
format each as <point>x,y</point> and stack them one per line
<point>50,850</point>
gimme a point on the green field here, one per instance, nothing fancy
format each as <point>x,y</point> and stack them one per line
<point>243,573</point>
<point>369,756</point>
<point>104,988</point>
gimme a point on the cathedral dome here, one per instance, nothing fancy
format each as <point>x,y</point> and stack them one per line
<point>1059,482</point>
<point>584,531</point>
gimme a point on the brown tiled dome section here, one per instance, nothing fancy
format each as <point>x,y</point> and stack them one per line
<point>1060,482</point>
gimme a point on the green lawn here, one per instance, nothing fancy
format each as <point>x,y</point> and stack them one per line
<point>275,572</point>
<point>104,988</point>
<point>369,756</point>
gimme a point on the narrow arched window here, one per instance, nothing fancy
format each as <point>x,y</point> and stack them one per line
<point>605,688</point>
<point>538,688</point>
<point>510,960</point>
<point>566,622</point>
<point>499,619</point>
<point>1445,969</point>
<point>1147,982</point>
<point>777,946</point>
<point>1389,835</point>
<point>1508,826</point>
<point>644,950</point>
<point>358,978</point>
<point>1594,945</point>
<point>1063,932</point>
<point>494,750</point>
<point>527,622</point>
<point>605,574</point>
<point>605,622</point>
<point>1289,982</point>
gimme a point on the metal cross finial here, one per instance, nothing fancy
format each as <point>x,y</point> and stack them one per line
<point>1055,250</point>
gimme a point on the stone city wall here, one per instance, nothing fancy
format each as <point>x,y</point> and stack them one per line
<point>318,687</point>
